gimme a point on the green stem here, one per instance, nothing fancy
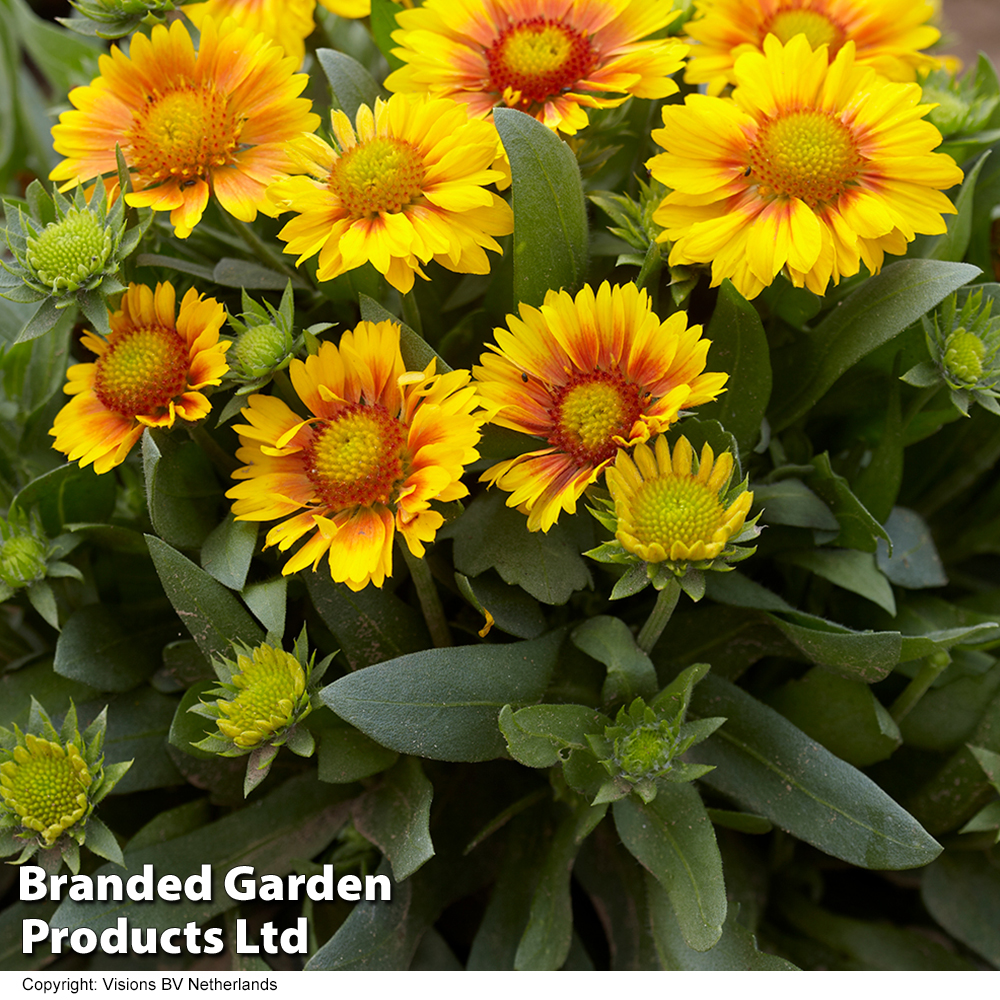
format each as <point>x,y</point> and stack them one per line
<point>920,684</point>
<point>430,602</point>
<point>917,405</point>
<point>216,454</point>
<point>666,601</point>
<point>260,249</point>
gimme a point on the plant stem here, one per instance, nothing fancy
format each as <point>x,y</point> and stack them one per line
<point>666,601</point>
<point>215,453</point>
<point>260,249</point>
<point>430,602</point>
<point>918,687</point>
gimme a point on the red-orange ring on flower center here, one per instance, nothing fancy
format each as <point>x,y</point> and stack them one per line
<point>590,411</point>
<point>142,369</point>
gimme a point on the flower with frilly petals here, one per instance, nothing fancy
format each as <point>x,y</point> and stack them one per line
<point>381,444</point>
<point>551,59</point>
<point>286,22</point>
<point>887,34</point>
<point>148,373</point>
<point>222,120</point>
<point>812,167</point>
<point>408,186</point>
<point>589,375</point>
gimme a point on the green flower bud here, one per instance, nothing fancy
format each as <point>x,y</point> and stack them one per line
<point>646,751</point>
<point>46,785</point>
<point>963,357</point>
<point>68,252</point>
<point>261,349</point>
<point>22,560</point>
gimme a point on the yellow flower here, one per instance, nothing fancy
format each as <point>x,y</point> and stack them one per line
<point>381,444</point>
<point>667,510</point>
<point>812,167</point>
<point>887,34</point>
<point>286,22</point>
<point>222,120</point>
<point>46,785</point>
<point>589,375</point>
<point>147,374</point>
<point>348,8</point>
<point>407,187</point>
<point>551,59</point>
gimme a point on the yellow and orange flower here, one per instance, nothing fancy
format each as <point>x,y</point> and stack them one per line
<point>348,8</point>
<point>147,374</point>
<point>812,167</point>
<point>888,34</point>
<point>589,375</point>
<point>288,23</point>
<point>408,187</point>
<point>381,443</point>
<point>551,59</point>
<point>222,120</point>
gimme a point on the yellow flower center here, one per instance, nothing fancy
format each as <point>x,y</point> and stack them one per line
<point>805,154</point>
<point>590,412</point>
<point>46,786</point>
<point>964,357</point>
<point>142,370</point>
<point>818,28</point>
<point>672,509</point>
<point>183,133</point>
<point>383,175</point>
<point>355,459</point>
<point>537,59</point>
<point>271,683</point>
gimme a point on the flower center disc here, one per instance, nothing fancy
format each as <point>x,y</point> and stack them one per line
<point>70,250</point>
<point>538,59</point>
<point>183,133</point>
<point>675,509</point>
<point>46,790</point>
<point>356,458</point>
<point>383,175</point>
<point>590,411</point>
<point>818,29</point>
<point>807,155</point>
<point>142,370</point>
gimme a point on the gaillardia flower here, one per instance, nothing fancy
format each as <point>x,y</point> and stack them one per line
<point>887,34</point>
<point>589,375</point>
<point>147,374</point>
<point>380,445</point>
<point>550,59</point>
<point>286,22</point>
<point>50,783</point>
<point>673,514</point>
<point>812,167</point>
<point>407,187</point>
<point>222,120</point>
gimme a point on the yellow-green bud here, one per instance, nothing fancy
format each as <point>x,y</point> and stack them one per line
<point>646,749</point>
<point>963,358</point>
<point>46,785</point>
<point>22,560</point>
<point>270,685</point>
<point>68,252</point>
<point>259,350</point>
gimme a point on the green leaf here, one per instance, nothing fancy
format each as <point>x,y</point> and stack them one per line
<point>791,502</point>
<point>673,838</point>
<point>962,893</point>
<point>181,489</point>
<point>210,612</point>
<point>188,728</point>
<point>770,767</point>
<point>526,748</point>
<point>841,714</point>
<point>550,213</point>
<point>235,273</point>
<point>351,83</point>
<point>870,316</point>
<point>443,703</point>
<point>953,244</point>
<point>111,648</point>
<point>370,625</point>
<point>172,823</point>
<point>228,550</point>
<point>735,951</point>
<point>946,717</point>
<point>346,755</point>
<point>296,820</point>
<point>858,529</point>
<point>395,817</point>
<point>17,687</point>
<point>546,940</point>
<point>383,22</point>
<point>630,671</point>
<point>66,495</point>
<point>914,562</point>
<point>739,347</point>
<point>490,535</point>
<point>267,600</point>
<point>514,611</point>
<point>416,352</point>
<point>102,842</point>
<point>138,725</point>
<point>847,568</point>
